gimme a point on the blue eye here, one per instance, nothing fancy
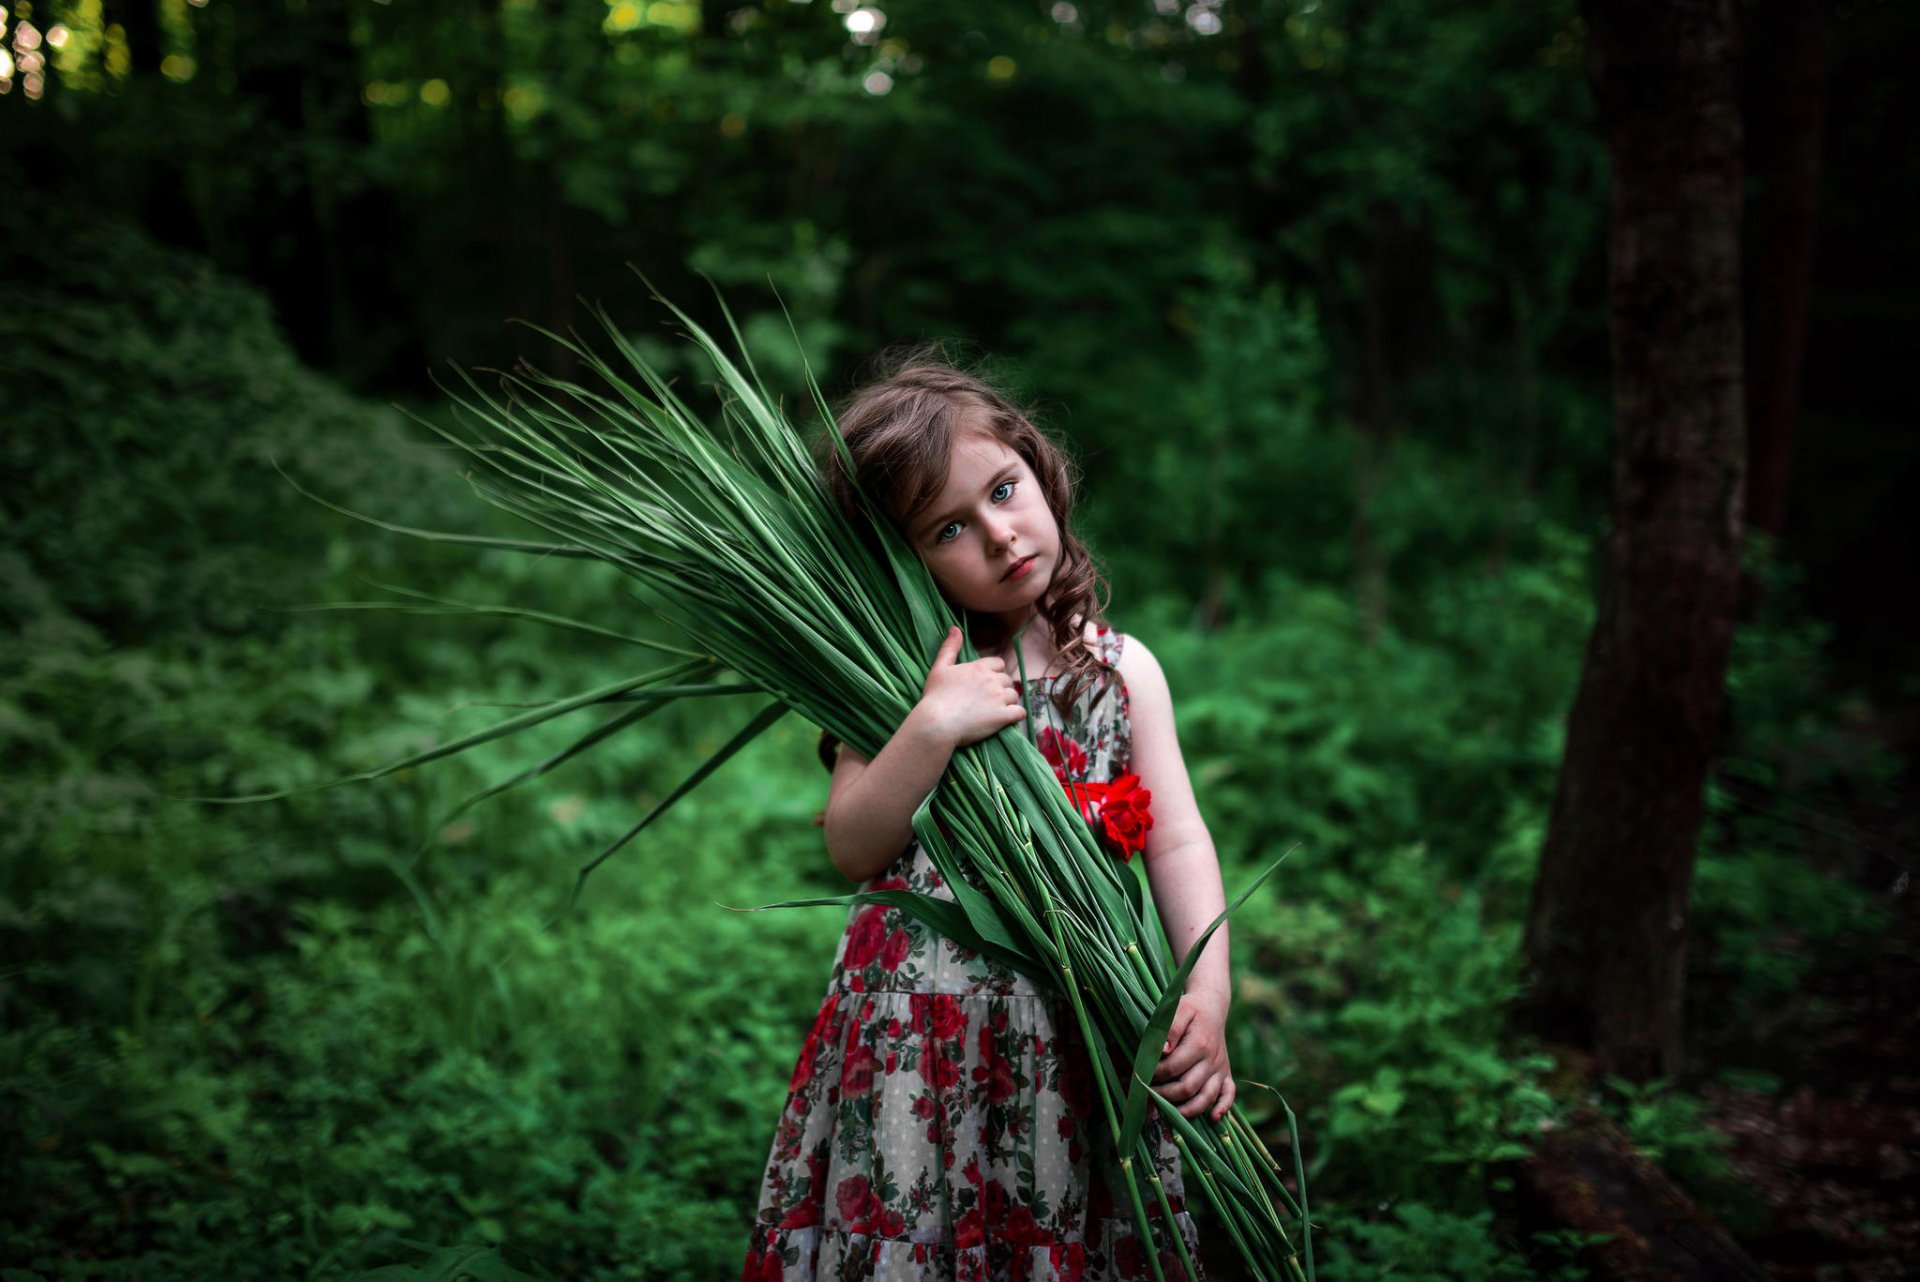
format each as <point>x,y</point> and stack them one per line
<point>999,494</point>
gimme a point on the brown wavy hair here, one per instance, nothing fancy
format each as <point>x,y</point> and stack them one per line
<point>900,426</point>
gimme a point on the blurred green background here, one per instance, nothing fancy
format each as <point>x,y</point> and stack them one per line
<point>1314,288</point>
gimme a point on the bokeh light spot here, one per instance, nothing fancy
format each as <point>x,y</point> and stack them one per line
<point>1001,67</point>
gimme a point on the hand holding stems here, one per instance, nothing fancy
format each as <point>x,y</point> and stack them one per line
<point>964,703</point>
<point>1193,1070</point>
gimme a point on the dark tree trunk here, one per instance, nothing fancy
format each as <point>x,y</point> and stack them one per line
<point>1786,93</point>
<point>1606,933</point>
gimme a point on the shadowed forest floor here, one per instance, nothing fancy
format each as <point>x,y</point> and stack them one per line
<point>1831,1162</point>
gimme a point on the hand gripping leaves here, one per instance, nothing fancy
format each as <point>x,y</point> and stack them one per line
<point>729,533</point>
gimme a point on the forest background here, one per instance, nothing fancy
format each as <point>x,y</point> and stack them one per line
<point>1316,291</point>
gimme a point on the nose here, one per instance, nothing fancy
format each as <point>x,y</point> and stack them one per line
<point>1000,530</point>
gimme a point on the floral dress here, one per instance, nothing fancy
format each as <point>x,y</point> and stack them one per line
<point>942,1121</point>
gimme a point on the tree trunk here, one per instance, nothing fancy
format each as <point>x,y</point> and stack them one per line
<point>1606,934</point>
<point>1785,110</point>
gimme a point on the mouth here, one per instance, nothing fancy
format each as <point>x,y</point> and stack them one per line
<point>1019,569</point>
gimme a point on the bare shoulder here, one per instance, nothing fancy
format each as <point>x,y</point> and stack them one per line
<point>1139,668</point>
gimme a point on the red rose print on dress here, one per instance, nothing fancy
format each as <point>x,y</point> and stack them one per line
<point>1068,759</point>
<point>898,944</point>
<point>810,1050</point>
<point>765,1266</point>
<point>949,1020</point>
<point>851,1198</point>
<point>937,1070</point>
<point>993,1070</point>
<point>973,1065</point>
<point>856,1078</point>
<point>866,937</point>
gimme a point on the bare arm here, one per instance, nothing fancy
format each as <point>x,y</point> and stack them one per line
<point>1184,874</point>
<point>870,804</point>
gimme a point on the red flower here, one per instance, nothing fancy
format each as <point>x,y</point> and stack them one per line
<point>896,952</point>
<point>949,1021</point>
<point>923,1106</point>
<point>1065,756</point>
<point>993,1069</point>
<point>1118,812</point>
<point>851,1197</point>
<point>1024,1229</point>
<point>856,1078</point>
<point>1124,815</point>
<point>937,1070</point>
<point>764,1266</point>
<point>810,1049</point>
<point>867,936</point>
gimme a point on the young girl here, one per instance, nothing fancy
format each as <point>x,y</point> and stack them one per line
<point>941,1122</point>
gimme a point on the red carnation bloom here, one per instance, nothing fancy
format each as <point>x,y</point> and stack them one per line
<point>1118,812</point>
<point>1124,814</point>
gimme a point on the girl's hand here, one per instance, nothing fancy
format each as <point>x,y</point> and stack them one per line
<point>964,703</point>
<point>1193,1061</point>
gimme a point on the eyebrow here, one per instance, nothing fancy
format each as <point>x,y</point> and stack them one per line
<point>927,525</point>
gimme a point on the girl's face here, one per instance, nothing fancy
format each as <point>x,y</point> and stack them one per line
<point>989,537</point>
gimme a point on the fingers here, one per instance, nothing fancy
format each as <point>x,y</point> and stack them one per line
<point>949,649</point>
<point>1207,1097</point>
<point>1181,1061</point>
<point>1182,1017</point>
<point>1228,1093</point>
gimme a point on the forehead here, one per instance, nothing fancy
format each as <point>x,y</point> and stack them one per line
<point>975,459</point>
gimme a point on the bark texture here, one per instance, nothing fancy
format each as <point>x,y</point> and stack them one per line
<point>1606,932</point>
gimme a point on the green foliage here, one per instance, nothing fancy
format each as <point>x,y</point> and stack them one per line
<point>1419,1244</point>
<point>260,1042</point>
<point>1666,1125</point>
<point>1775,887</point>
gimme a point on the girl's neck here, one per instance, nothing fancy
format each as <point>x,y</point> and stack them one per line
<point>1035,644</point>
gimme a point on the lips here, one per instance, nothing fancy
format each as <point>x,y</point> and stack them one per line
<point>1018,570</point>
